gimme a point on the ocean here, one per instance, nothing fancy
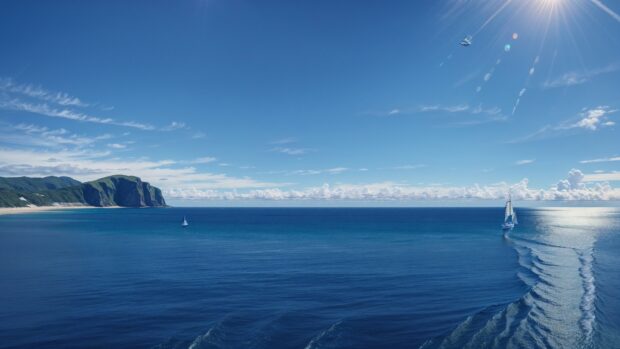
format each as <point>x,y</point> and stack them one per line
<point>310,278</point>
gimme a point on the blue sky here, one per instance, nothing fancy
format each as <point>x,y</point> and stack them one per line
<point>315,101</point>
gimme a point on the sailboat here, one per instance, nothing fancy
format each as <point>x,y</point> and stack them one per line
<point>184,224</point>
<point>510,217</point>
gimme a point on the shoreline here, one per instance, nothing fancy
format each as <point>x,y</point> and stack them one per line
<point>34,209</point>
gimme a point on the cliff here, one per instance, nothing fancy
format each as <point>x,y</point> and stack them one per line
<point>128,191</point>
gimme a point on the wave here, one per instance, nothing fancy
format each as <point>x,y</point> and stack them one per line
<point>557,311</point>
<point>323,336</point>
<point>587,301</point>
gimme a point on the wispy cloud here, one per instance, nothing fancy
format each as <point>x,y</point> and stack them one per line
<point>408,167</point>
<point>524,162</point>
<point>117,145</point>
<point>174,126</point>
<point>603,177</point>
<point>591,119</point>
<point>65,113</point>
<point>579,77</point>
<point>204,160</point>
<point>38,100</point>
<point>40,136</point>
<point>199,135</point>
<point>38,92</point>
<point>609,159</point>
<point>444,108</point>
<point>478,114</point>
<point>313,172</point>
<point>286,146</point>
<point>291,151</point>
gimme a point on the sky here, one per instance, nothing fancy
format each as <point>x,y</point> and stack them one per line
<point>231,102</point>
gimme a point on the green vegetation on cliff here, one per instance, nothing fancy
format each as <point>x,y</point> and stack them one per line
<point>119,190</point>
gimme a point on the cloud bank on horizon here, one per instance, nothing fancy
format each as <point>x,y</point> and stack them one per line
<point>318,115</point>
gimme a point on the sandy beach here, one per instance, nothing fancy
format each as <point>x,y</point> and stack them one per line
<point>33,209</point>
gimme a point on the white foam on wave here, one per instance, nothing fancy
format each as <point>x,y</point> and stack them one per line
<point>589,294</point>
<point>315,342</point>
<point>558,310</point>
<point>197,343</point>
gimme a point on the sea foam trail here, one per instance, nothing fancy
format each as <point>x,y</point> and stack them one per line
<point>558,311</point>
<point>587,302</point>
<point>327,334</point>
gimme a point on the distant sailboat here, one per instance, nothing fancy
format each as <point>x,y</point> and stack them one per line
<point>510,217</point>
<point>184,224</point>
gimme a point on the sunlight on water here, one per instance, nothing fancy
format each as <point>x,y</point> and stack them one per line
<point>556,246</point>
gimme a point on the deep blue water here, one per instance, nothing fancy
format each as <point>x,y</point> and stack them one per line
<point>310,278</point>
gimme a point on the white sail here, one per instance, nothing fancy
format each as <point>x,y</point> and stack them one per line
<point>509,210</point>
<point>514,217</point>
<point>184,224</point>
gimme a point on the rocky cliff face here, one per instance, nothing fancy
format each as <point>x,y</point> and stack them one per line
<point>127,191</point>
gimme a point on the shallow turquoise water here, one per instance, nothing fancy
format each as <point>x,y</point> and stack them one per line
<point>310,278</point>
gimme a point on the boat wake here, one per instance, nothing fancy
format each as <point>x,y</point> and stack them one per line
<point>557,311</point>
<point>330,335</point>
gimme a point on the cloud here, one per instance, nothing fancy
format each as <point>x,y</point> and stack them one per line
<point>65,113</point>
<point>482,114</point>
<point>589,119</point>
<point>203,160</point>
<point>609,159</point>
<point>524,162</point>
<point>60,98</point>
<point>37,100</point>
<point>576,78</point>
<point>291,151</point>
<point>570,189</point>
<point>594,118</point>
<point>40,136</point>
<point>199,135</point>
<point>174,126</point>
<point>602,177</point>
<point>409,167</point>
<point>460,108</point>
<point>574,181</point>
<point>331,171</point>
<point>312,172</point>
<point>449,108</point>
<point>117,146</point>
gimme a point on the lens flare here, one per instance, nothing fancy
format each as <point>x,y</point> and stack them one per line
<point>515,36</point>
<point>507,47</point>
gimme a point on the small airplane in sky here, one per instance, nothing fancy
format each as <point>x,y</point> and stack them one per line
<point>467,41</point>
